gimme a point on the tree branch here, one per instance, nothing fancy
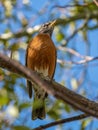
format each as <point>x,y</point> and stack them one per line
<point>53,88</point>
<point>30,31</point>
<point>74,118</point>
<point>69,50</point>
<point>85,59</point>
<point>96,2</point>
<point>73,5</point>
<point>23,32</point>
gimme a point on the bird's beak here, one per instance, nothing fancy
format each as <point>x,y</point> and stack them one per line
<point>53,23</point>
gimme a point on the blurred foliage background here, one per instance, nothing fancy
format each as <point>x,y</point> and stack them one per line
<point>76,38</point>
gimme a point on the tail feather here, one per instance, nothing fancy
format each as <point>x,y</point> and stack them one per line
<point>38,109</point>
<point>29,87</point>
<point>39,104</point>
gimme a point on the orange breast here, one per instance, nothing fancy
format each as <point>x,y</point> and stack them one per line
<point>41,54</point>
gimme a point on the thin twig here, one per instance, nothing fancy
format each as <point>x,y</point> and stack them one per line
<point>74,5</point>
<point>77,30</point>
<point>69,50</point>
<point>74,118</point>
<point>84,61</point>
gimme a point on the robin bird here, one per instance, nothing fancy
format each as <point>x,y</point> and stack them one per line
<point>41,57</point>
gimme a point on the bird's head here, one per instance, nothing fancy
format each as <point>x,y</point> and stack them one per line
<point>48,27</point>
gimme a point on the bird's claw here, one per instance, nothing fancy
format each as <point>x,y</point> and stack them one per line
<point>45,77</point>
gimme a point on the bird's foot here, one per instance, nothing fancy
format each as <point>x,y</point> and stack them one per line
<point>45,77</point>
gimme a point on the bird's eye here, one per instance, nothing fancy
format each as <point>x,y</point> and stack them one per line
<point>46,25</point>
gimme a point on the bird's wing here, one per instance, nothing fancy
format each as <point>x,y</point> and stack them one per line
<point>55,63</point>
<point>29,84</point>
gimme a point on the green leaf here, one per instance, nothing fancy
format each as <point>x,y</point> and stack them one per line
<point>3,97</point>
<point>67,108</point>
<point>85,123</point>
<point>59,36</point>
<point>24,105</point>
<point>21,128</point>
